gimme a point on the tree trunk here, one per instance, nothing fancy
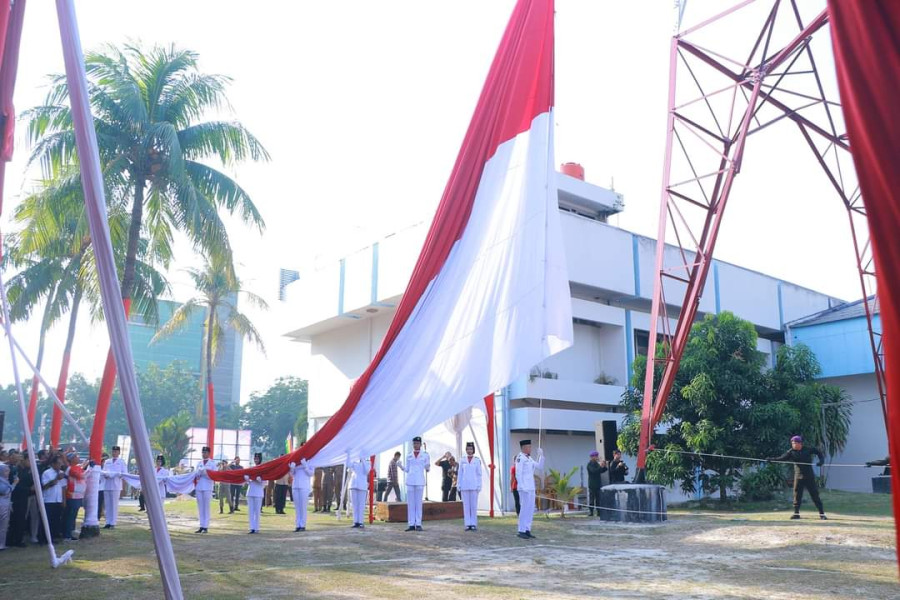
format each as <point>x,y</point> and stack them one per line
<point>33,397</point>
<point>109,371</point>
<point>134,237</point>
<point>56,426</point>
<point>210,393</point>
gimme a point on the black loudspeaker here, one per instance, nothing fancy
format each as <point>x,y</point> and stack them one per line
<point>607,436</point>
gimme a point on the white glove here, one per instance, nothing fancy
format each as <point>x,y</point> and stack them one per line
<point>247,478</point>
<point>303,462</point>
<point>292,466</point>
<point>258,479</point>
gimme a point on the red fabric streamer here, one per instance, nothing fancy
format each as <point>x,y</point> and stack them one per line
<point>489,412</point>
<point>107,383</point>
<point>866,38</point>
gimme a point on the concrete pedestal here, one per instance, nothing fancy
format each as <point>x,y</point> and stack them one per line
<point>633,503</point>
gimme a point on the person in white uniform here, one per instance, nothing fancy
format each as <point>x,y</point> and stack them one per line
<point>162,474</point>
<point>113,470</point>
<point>418,463</point>
<point>300,487</point>
<point>469,485</point>
<point>359,488</point>
<point>203,489</point>
<point>525,468</point>
<point>256,489</point>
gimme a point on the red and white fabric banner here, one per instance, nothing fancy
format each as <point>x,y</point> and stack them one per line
<point>489,296</point>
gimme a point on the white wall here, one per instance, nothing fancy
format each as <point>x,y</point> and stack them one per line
<point>867,440</point>
<point>340,356</point>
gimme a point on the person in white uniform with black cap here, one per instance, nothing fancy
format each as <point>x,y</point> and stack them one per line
<point>300,475</point>
<point>203,487</point>
<point>418,463</point>
<point>112,473</point>
<point>256,489</point>
<point>162,474</point>
<point>359,489</point>
<point>469,484</point>
<point>525,468</point>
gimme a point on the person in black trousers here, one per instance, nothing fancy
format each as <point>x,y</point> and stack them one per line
<point>514,486</point>
<point>18,520</point>
<point>804,477</point>
<point>595,468</point>
<point>617,468</point>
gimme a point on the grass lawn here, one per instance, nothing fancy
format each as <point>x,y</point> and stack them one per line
<point>707,551</point>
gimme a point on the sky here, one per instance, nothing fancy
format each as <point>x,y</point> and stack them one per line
<point>362,106</point>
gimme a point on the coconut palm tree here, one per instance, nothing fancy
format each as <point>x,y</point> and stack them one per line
<point>54,245</point>
<point>147,108</point>
<point>217,294</point>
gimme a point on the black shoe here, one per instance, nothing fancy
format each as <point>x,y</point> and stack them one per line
<point>254,531</point>
<point>532,537</point>
<point>221,512</point>
<point>419,528</point>
<point>140,510</point>
<point>524,535</point>
<point>205,530</point>
<point>795,516</point>
<point>823,517</point>
<point>296,529</point>
<point>474,528</point>
<point>107,526</point>
<point>361,526</point>
<point>237,509</point>
<point>355,525</point>
<point>301,529</point>
<point>199,530</point>
<point>410,528</point>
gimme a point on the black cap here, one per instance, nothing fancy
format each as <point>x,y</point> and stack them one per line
<point>161,458</point>
<point>116,448</point>
<point>204,449</point>
<point>258,455</point>
<point>470,444</point>
<point>417,439</point>
<point>524,443</point>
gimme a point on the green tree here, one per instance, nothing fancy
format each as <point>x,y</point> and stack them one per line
<point>273,414</point>
<point>170,439</point>
<point>725,402</point>
<point>218,292</point>
<point>148,108</point>
<point>53,245</point>
<point>165,392</point>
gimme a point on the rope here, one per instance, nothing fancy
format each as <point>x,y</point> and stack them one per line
<point>750,458</point>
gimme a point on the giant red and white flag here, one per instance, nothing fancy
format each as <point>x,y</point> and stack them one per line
<point>489,296</point>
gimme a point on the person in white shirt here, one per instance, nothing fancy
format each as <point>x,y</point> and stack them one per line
<point>525,468</point>
<point>300,486</point>
<point>53,481</point>
<point>203,489</point>
<point>162,474</point>
<point>256,489</point>
<point>359,488</point>
<point>469,484</point>
<point>113,470</point>
<point>418,463</point>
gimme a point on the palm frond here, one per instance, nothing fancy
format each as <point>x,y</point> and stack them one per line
<point>179,319</point>
<point>224,191</point>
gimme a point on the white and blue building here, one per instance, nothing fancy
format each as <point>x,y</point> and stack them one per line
<point>342,309</point>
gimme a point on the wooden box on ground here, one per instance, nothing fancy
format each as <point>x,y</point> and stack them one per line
<point>395,512</point>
